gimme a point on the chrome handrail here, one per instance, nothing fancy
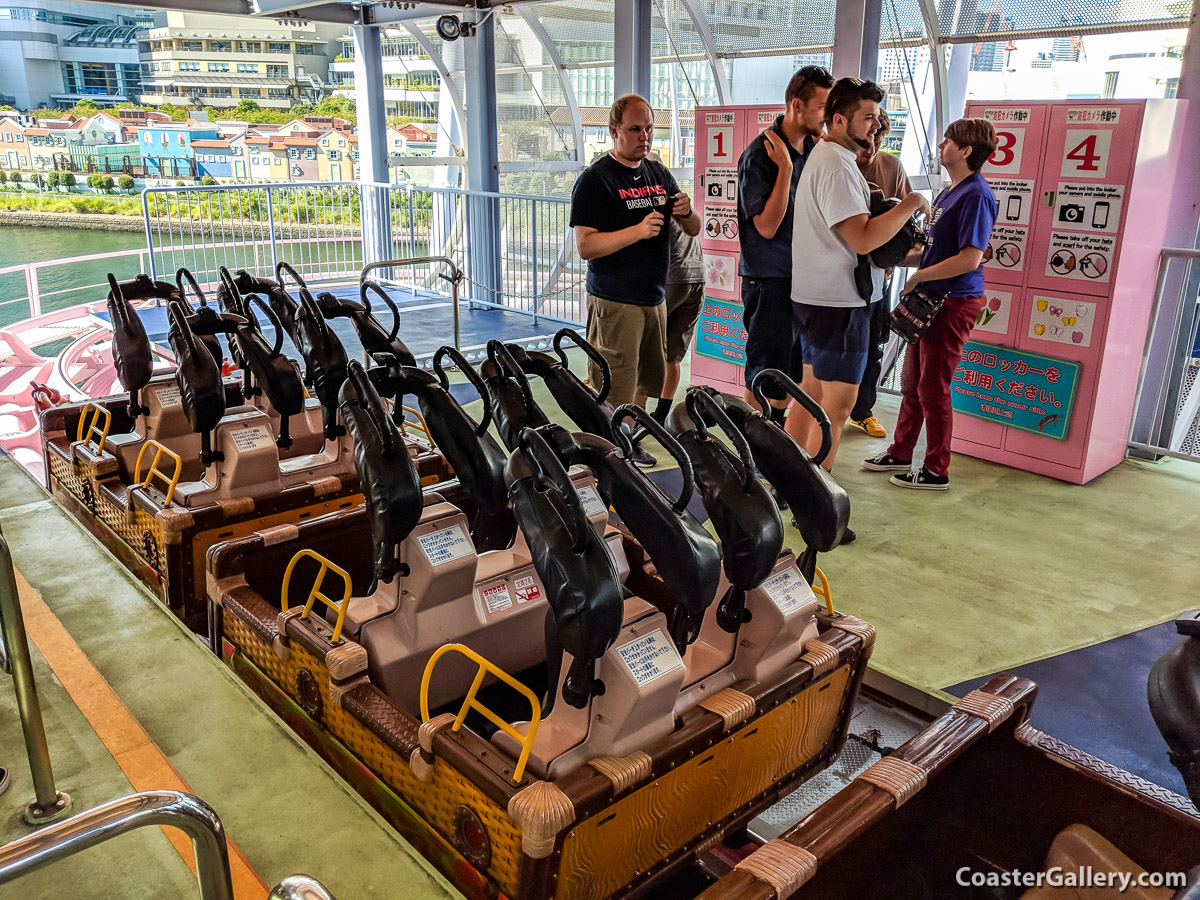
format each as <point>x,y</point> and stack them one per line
<point>48,803</point>
<point>300,887</point>
<point>455,278</point>
<point>189,814</point>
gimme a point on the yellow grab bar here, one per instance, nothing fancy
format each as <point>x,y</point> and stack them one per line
<point>88,426</point>
<point>315,594</point>
<point>823,590</point>
<point>525,740</point>
<point>420,425</point>
<point>154,470</point>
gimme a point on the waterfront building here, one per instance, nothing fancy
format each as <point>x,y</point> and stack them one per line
<point>212,60</point>
<point>334,161</point>
<point>214,158</point>
<point>14,152</point>
<point>57,53</point>
<point>411,83</point>
<point>167,148</point>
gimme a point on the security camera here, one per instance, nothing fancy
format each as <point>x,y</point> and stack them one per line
<point>449,28</point>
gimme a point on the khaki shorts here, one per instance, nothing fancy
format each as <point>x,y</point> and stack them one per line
<point>632,339</point>
<point>683,309</point>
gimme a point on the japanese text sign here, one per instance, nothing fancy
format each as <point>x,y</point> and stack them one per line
<point>721,333</point>
<point>1015,388</point>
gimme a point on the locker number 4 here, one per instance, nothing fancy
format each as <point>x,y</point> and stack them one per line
<point>1085,153</point>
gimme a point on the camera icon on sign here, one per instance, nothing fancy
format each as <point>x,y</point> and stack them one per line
<point>716,189</point>
<point>1071,212</point>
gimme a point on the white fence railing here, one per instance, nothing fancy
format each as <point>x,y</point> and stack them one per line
<point>30,289</point>
<point>518,251</point>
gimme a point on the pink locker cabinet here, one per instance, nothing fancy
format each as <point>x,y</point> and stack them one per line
<point>1104,176</point>
<point>722,133</point>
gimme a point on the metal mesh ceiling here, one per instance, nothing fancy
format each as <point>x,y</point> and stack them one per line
<point>762,27</point>
<point>1046,17</point>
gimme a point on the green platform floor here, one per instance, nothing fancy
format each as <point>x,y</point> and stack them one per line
<point>1005,568</point>
<point>281,805</point>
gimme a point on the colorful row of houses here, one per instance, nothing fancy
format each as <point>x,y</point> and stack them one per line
<point>152,146</point>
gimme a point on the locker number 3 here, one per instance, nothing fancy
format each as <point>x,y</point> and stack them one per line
<point>1007,158</point>
<point>1085,153</point>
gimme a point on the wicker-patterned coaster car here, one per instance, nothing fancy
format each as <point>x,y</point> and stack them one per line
<point>982,804</point>
<point>406,683</point>
<point>190,459</point>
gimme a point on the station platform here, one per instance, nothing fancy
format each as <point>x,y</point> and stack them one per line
<point>1007,571</point>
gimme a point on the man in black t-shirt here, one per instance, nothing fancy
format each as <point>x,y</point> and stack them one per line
<point>618,211</point>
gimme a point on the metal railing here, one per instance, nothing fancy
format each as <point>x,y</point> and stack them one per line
<point>522,250</point>
<point>48,803</point>
<point>1166,416</point>
<point>30,289</point>
<point>300,887</point>
<point>189,814</point>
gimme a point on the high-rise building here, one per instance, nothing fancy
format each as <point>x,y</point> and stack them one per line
<point>56,53</point>
<point>203,59</point>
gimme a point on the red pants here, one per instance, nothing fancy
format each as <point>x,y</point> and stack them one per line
<point>925,386</point>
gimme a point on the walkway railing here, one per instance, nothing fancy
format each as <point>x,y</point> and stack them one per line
<point>523,255</point>
<point>1166,417</point>
<point>189,814</point>
<point>175,809</point>
<point>48,803</point>
<point>31,289</point>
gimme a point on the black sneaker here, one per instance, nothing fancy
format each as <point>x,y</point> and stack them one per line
<point>885,462</point>
<point>922,480</point>
<point>642,459</point>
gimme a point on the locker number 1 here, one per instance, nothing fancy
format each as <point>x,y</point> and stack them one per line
<point>720,144</point>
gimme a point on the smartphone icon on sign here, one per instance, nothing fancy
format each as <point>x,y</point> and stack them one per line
<point>1013,213</point>
<point>1100,214</point>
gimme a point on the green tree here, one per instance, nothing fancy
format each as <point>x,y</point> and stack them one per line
<point>125,182</point>
<point>3,177</point>
<point>67,179</point>
<point>88,106</point>
<point>106,182</point>
<point>207,180</point>
<point>15,177</point>
<point>52,181</point>
<point>95,181</point>
<point>245,107</point>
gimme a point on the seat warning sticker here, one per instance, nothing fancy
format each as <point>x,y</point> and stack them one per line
<point>256,438</point>
<point>592,504</point>
<point>496,598</point>
<point>446,545</point>
<point>788,590</point>
<point>527,589</point>
<point>168,396</point>
<point>650,657</point>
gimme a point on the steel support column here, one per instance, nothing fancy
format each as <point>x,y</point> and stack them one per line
<point>848,38</point>
<point>631,47</point>
<point>372,143</point>
<point>483,164</point>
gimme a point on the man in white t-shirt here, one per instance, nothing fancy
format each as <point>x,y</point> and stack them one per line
<point>833,226</point>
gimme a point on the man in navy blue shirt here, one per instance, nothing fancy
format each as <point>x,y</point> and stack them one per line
<point>960,226</point>
<point>768,171</point>
<point>618,210</point>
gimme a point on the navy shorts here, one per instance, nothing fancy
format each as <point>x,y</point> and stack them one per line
<point>833,339</point>
<point>767,311</point>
